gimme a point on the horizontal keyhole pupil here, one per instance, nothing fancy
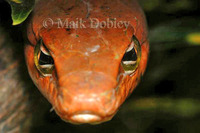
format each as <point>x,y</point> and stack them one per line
<point>130,55</point>
<point>45,59</point>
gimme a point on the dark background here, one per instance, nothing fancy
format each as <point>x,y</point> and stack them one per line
<point>167,99</point>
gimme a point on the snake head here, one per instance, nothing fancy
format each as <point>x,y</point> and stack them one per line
<point>86,73</point>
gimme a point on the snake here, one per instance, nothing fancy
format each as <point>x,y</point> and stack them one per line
<point>86,56</point>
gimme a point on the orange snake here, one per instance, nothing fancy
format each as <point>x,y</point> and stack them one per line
<point>86,73</point>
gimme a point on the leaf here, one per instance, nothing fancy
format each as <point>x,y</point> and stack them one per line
<point>20,10</point>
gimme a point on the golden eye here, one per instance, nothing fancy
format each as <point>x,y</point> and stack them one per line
<point>132,56</point>
<point>43,60</point>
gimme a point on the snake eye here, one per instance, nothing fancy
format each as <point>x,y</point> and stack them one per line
<point>43,60</point>
<point>132,56</point>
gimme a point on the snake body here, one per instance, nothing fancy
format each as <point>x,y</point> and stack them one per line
<point>14,104</point>
<point>86,80</point>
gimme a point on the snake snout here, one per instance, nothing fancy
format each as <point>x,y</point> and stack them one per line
<point>88,97</point>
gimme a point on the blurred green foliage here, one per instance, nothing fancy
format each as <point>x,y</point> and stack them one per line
<point>193,38</point>
<point>186,107</point>
<point>168,6</point>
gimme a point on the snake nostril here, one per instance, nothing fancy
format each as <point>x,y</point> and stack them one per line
<point>85,118</point>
